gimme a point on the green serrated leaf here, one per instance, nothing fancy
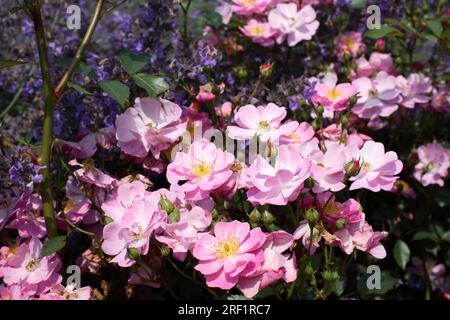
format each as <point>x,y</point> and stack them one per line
<point>10,63</point>
<point>401,253</point>
<point>117,91</point>
<point>78,88</point>
<point>133,63</point>
<point>435,26</point>
<point>53,245</point>
<point>154,85</point>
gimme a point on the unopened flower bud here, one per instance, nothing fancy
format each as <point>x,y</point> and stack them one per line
<point>174,216</point>
<point>133,253</point>
<point>255,216</point>
<point>346,55</point>
<point>330,275</point>
<point>352,168</point>
<point>267,218</point>
<point>309,270</point>
<point>319,109</point>
<point>353,100</point>
<point>266,70</point>
<point>166,204</point>
<point>309,183</point>
<point>272,227</point>
<point>344,120</point>
<point>312,216</point>
<point>165,251</point>
<point>341,223</point>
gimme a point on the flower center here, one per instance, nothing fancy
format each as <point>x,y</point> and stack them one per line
<point>257,31</point>
<point>372,93</point>
<point>32,265</point>
<point>264,126</point>
<point>366,166</point>
<point>248,2</point>
<point>334,94</point>
<point>137,231</point>
<point>202,169</point>
<point>349,43</point>
<point>226,247</point>
<point>332,209</point>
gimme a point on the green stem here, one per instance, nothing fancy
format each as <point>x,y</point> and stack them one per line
<point>47,134</point>
<point>81,49</point>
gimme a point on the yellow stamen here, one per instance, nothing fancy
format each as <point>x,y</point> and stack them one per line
<point>226,248</point>
<point>334,94</point>
<point>202,169</point>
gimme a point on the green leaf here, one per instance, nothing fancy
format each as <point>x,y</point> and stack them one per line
<point>446,236</point>
<point>78,88</point>
<point>53,245</point>
<point>431,38</point>
<point>401,253</point>
<point>381,33</point>
<point>117,91</point>
<point>82,67</point>
<point>131,62</point>
<point>152,84</point>
<point>435,26</point>
<point>425,235</point>
<point>10,63</point>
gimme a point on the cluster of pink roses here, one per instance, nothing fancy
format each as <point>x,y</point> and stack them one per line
<point>273,21</point>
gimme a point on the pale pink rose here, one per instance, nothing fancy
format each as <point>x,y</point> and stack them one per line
<point>293,24</point>
<point>441,101</point>
<point>181,236</point>
<point>434,162</point>
<point>377,62</point>
<point>280,183</point>
<point>332,210</point>
<point>78,205</point>
<point>303,233</point>
<point>225,12</point>
<point>87,146</point>
<point>327,169</point>
<point>225,109</point>
<point>262,121</point>
<point>379,170</point>
<point>377,97</point>
<point>259,32</point>
<point>295,133</point>
<point>135,215</point>
<point>361,236</point>
<point>30,270</point>
<point>414,90</point>
<point>249,7</point>
<point>350,42</point>
<point>277,265</point>
<point>152,125</point>
<point>234,251</point>
<point>204,168</point>
<point>70,292</point>
<point>206,94</point>
<point>334,98</point>
<point>14,292</point>
<point>90,174</point>
<point>29,218</point>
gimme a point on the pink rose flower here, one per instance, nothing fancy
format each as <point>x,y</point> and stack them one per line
<point>248,7</point>
<point>293,25</point>
<point>334,98</point>
<point>296,133</point>
<point>59,292</point>
<point>234,251</point>
<point>362,237</point>
<point>277,265</point>
<point>350,42</point>
<point>87,146</point>
<point>434,161</point>
<point>29,218</point>
<point>259,32</point>
<point>280,183</point>
<point>379,170</point>
<point>414,90</point>
<point>204,168</point>
<point>29,269</point>
<point>135,215</point>
<point>303,233</point>
<point>151,125</point>
<point>90,174</point>
<point>181,236</point>
<point>377,97</point>
<point>441,101</point>
<point>261,121</point>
